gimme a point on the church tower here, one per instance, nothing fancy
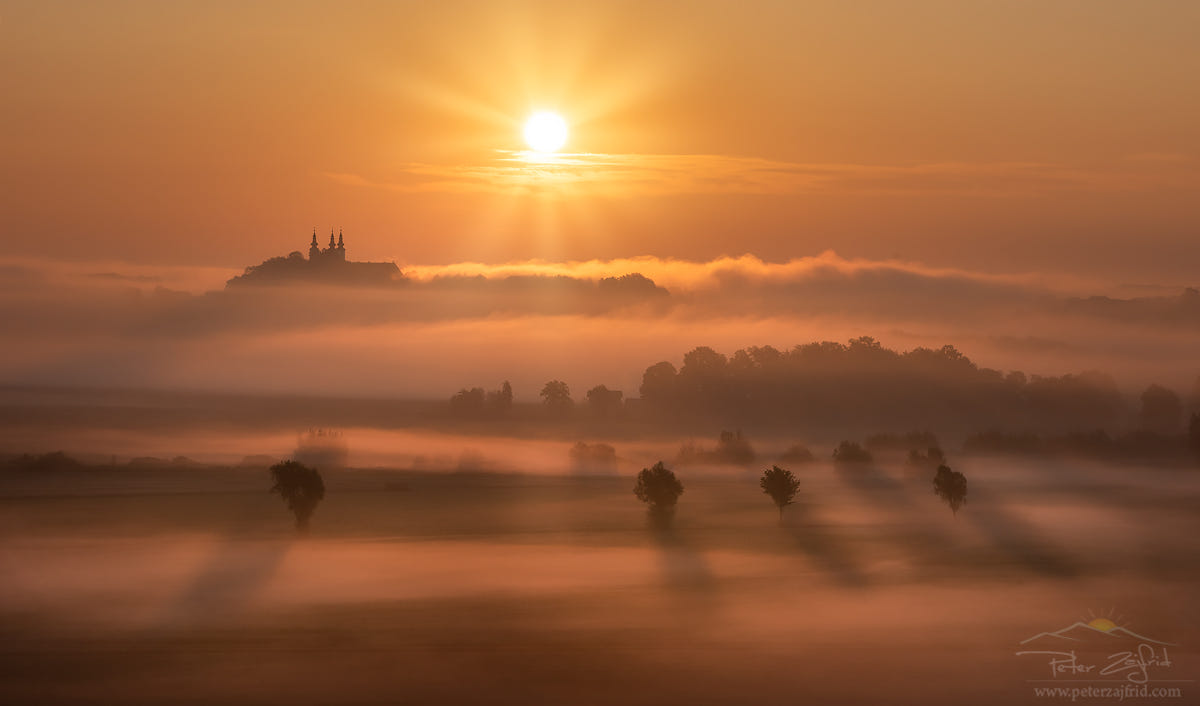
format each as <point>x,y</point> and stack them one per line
<point>314,250</point>
<point>341,247</point>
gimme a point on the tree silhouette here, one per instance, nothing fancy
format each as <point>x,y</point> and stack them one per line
<point>660,490</point>
<point>468,403</point>
<point>301,487</point>
<point>659,384</point>
<point>476,403</point>
<point>732,448</point>
<point>604,402</point>
<point>849,452</point>
<point>781,485</point>
<point>499,402</point>
<point>950,486</point>
<point>593,458</point>
<point>325,448</point>
<point>557,396</point>
<point>54,461</point>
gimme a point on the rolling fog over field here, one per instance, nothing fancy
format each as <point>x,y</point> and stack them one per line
<point>144,554</point>
<point>411,580</point>
<point>419,337</point>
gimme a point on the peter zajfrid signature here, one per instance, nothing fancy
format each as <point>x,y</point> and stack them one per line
<point>1135,665</point>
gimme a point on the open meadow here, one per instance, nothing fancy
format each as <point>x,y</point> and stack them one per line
<point>163,584</point>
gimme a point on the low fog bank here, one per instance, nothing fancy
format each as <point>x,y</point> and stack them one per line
<point>818,393</point>
<point>1060,520</point>
<point>584,323</point>
<point>73,454</point>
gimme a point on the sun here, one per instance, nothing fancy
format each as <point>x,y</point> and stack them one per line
<point>546,131</point>
<point>1102,624</point>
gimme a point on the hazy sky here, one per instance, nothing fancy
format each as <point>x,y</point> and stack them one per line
<point>994,136</point>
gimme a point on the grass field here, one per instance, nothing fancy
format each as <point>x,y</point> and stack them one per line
<point>173,585</point>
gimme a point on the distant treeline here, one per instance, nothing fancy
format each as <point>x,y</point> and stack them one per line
<point>863,385</point>
<point>829,389</point>
<point>58,461</point>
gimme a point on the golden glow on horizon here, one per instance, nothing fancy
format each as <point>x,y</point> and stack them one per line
<point>1102,624</point>
<point>546,131</point>
<point>689,135</point>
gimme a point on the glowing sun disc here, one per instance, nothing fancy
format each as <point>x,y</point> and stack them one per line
<point>546,132</point>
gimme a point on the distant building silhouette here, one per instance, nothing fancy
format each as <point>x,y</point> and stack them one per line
<point>328,266</point>
<point>329,254</point>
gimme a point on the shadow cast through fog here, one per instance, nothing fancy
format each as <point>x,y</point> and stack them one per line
<point>832,555</point>
<point>1004,531</point>
<point>1018,539</point>
<point>684,568</point>
<point>230,579</point>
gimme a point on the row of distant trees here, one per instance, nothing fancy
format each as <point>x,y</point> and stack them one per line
<point>660,489</point>
<point>477,403</point>
<point>861,385</point>
<point>302,488</point>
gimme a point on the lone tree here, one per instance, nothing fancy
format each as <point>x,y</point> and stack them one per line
<point>950,486</point>
<point>781,485</point>
<point>301,487</point>
<point>557,396</point>
<point>604,402</point>
<point>660,490</point>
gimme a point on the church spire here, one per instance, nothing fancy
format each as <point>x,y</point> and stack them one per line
<point>331,238</point>
<point>341,243</point>
<point>314,250</point>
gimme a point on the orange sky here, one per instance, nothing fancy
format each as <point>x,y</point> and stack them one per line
<point>997,137</point>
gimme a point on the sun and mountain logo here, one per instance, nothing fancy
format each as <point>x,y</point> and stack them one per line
<point>1096,632</point>
<point>1101,649</point>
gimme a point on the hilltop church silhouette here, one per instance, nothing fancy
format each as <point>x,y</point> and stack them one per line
<point>330,253</point>
<point>328,266</point>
